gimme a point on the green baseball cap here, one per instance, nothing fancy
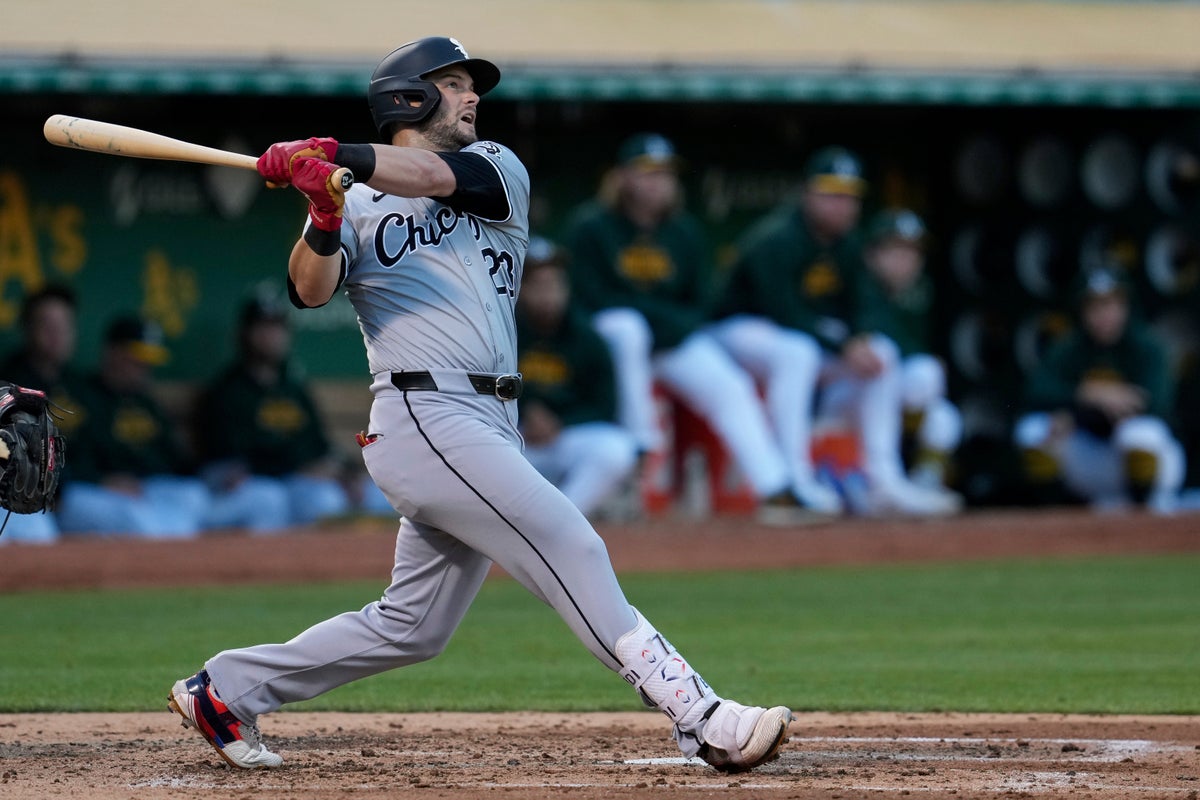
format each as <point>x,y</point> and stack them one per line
<point>835,170</point>
<point>648,151</point>
<point>142,339</point>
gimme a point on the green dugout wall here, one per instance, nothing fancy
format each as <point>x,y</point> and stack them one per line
<point>1021,182</point>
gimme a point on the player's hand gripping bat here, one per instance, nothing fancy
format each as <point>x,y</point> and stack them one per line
<point>119,140</point>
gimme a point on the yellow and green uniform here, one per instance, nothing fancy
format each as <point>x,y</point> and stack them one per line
<point>275,430</point>
<point>782,272</point>
<point>66,391</point>
<point>905,317</point>
<point>123,433</point>
<point>665,274</point>
<point>568,370</point>
<point>1136,358</point>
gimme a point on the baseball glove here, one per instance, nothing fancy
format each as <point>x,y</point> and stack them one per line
<point>31,450</point>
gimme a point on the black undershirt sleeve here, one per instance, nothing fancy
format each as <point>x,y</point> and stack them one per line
<point>480,191</point>
<point>294,296</point>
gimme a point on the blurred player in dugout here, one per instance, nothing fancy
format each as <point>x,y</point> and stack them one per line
<point>130,470</point>
<point>794,314</point>
<point>641,265</point>
<point>43,361</point>
<point>259,429</point>
<point>127,463</point>
<point>1097,407</point>
<point>902,308</point>
<point>568,407</point>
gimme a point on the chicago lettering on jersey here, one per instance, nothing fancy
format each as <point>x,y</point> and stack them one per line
<point>398,234</point>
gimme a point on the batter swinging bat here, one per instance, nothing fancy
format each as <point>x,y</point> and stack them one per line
<point>118,140</point>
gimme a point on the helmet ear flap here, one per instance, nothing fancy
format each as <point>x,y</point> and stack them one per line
<point>405,101</point>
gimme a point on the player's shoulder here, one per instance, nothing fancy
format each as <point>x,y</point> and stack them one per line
<point>490,148</point>
<point>1145,339</point>
<point>495,152</point>
<point>506,162</point>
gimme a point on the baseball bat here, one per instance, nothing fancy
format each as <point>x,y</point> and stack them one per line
<point>119,140</point>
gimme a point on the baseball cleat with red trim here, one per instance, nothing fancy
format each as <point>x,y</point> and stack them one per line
<point>240,744</point>
<point>738,738</point>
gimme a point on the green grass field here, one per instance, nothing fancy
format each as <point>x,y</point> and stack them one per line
<point>1095,635</point>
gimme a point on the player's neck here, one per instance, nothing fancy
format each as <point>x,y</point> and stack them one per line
<point>413,137</point>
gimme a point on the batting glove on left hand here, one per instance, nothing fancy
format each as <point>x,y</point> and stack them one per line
<point>278,164</point>
<point>314,178</point>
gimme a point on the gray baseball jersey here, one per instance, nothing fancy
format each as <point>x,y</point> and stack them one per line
<point>434,288</point>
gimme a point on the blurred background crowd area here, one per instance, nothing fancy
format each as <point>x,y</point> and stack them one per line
<point>1035,139</point>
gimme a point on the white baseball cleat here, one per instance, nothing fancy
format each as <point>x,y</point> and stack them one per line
<point>785,509</point>
<point>240,744</point>
<point>820,498</point>
<point>738,738</point>
<point>904,498</point>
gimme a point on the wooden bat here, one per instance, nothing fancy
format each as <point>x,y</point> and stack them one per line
<point>119,140</point>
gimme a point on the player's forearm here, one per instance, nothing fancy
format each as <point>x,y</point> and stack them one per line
<point>314,276</point>
<point>411,172</point>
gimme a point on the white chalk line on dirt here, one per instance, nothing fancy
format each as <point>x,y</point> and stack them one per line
<point>1101,750</point>
<point>1094,750</point>
<point>1079,780</point>
<point>1030,788</point>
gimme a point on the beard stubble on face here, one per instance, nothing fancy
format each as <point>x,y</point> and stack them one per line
<point>443,132</point>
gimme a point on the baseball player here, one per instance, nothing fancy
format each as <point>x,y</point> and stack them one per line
<point>1097,406</point>
<point>791,316</point>
<point>901,307</point>
<point>640,265</point>
<point>428,246</point>
<point>259,428</point>
<point>130,471</point>
<point>568,407</point>
<point>43,361</point>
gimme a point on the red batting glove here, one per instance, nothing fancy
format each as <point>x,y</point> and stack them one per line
<point>313,177</point>
<point>278,164</point>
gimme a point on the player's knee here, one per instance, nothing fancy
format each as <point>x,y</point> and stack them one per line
<point>798,353</point>
<point>587,549</point>
<point>1039,464</point>
<point>886,351</point>
<point>1032,430</point>
<point>616,453</point>
<point>421,641</point>
<point>941,426</point>
<point>924,381</point>
<point>625,330</point>
<point>1142,433</point>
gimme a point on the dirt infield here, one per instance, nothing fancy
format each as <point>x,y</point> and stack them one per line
<point>629,755</point>
<point>604,756</point>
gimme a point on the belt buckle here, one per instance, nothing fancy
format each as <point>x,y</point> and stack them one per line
<point>508,387</point>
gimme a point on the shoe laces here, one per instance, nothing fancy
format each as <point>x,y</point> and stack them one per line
<point>251,735</point>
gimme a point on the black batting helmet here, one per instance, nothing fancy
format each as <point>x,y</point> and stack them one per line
<point>399,92</point>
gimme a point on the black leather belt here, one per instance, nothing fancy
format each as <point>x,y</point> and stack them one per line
<point>506,387</point>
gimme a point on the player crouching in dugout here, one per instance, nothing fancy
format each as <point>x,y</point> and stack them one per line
<point>1098,403</point>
